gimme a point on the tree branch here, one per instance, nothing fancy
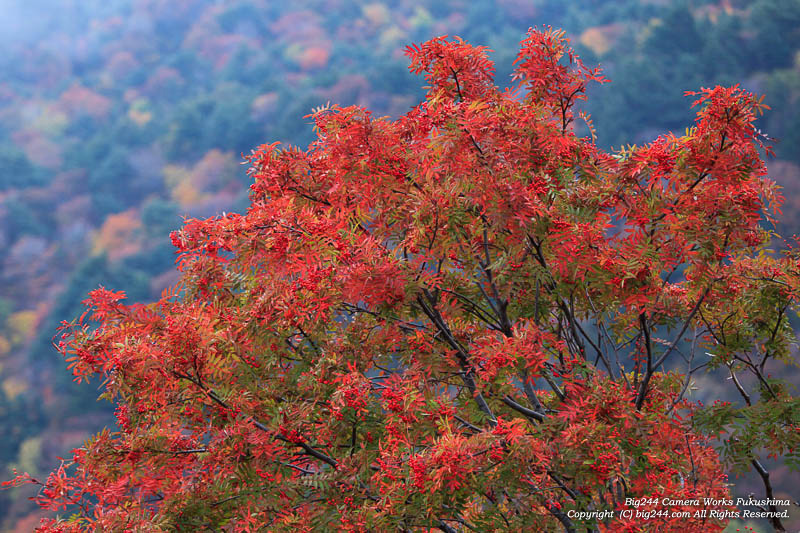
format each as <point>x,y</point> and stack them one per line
<point>433,314</point>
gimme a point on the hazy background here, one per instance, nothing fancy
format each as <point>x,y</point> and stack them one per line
<point>118,118</point>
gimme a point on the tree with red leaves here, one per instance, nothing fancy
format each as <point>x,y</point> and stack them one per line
<point>469,318</point>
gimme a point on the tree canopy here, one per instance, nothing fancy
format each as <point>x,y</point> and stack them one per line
<point>468,318</point>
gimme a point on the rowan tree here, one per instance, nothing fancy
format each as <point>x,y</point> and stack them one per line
<point>470,318</point>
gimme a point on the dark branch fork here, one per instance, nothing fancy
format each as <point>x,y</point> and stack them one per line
<point>307,450</point>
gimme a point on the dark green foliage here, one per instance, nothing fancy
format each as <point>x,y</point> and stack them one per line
<point>89,275</point>
<point>110,183</point>
<point>17,171</point>
<point>676,33</point>
<point>6,308</point>
<point>222,120</point>
<point>159,218</point>
<point>777,27</point>
<point>20,418</point>
<point>21,219</point>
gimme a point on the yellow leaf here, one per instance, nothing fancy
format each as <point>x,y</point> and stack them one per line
<point>21,325</point>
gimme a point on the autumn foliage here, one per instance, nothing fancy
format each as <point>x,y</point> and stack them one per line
<point>468,318</point>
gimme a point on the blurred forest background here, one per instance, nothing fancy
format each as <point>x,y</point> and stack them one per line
<point>118,118</point>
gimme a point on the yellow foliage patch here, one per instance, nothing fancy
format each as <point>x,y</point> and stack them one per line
<point>139,113</point>
<point>376,14</point>
<point>29,453</point>
<point>13,387</point>
<point>51,122</point>
<point>392,36</point>
<point>191,186</point>
<point>21,326</point>
<point>119,236</point>
<point>140,118</point>
<point>421,17</point>
<point>600,39</point>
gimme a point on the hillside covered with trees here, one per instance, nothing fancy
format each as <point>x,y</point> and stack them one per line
<point>118,119</point>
